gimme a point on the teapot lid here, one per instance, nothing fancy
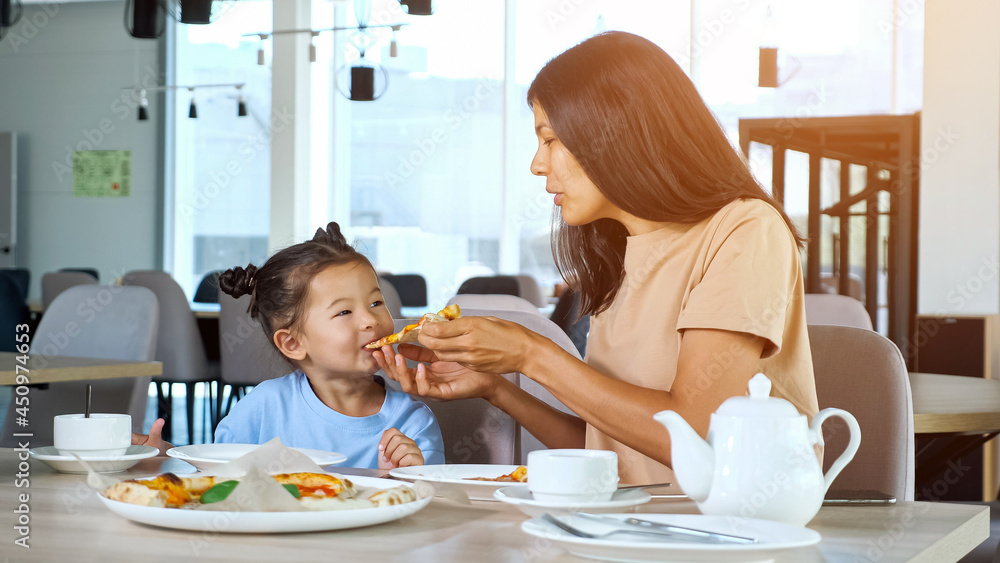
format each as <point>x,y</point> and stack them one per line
<point>759,403</point>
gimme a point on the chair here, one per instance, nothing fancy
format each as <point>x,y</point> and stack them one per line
<point>391,296</point>
<point>565,316</point>
<point>13,312</point>
<point>508,285</point>
<point>412,288</point>
<point>833,309</point>
<point>179,346</point>
<point>122,327</point>
<point>247,357</point>
<point>54,283</point>
<point>495,301</point>
<point>864,373</point>
<point>208,288</point>
<point>92,272</point>
<point>528,289</point>
<point>21,277</point>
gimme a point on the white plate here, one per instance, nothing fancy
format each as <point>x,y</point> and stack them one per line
<point>460,474</point>
<point>270,522</point>
<point>50,456</point>
<point>205,456</point>
<point>522,498</point>
<point>772,537</point>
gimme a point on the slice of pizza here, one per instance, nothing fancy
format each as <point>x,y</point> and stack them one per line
<point>167,490</point>
<point>410,332</point>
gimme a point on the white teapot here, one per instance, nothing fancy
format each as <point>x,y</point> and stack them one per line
<point>759,460</point>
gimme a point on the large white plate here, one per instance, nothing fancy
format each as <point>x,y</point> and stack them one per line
<point>460,474</point>
<point>270,522</point>
<point>206,456</point>
<point>522,498</point>
<point>772,538</point>
<point>111,464</point>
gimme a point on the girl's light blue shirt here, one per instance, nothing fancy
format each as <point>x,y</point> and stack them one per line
<point>288,408</point>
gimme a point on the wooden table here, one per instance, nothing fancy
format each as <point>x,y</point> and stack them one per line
<point>57,369</point>
<point>965,411</point>
<point>952,403</point>
<point>68,522</point>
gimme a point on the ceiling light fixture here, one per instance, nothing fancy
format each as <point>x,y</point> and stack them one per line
<point>10,13</point>
<point>141,93</point>
<point>143,106</point>
<point>144,19</point>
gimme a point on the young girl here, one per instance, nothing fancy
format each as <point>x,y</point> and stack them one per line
<point>320,303</point>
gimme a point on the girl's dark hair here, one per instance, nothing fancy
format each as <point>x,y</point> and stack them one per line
<point>646,139</point>
<point>278,288</point>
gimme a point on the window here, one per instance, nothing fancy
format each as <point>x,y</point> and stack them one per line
<point>222,162</point>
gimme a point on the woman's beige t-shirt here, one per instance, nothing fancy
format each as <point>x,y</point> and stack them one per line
<point>737,270</point>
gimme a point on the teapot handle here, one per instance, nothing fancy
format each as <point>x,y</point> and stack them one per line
<point>852,446</point>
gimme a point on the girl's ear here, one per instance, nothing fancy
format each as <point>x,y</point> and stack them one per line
<point>289,345</point>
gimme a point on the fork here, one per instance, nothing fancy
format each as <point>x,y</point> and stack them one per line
<point>580,533</point>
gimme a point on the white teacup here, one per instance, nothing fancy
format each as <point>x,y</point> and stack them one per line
<point>101,435</point>
<point>564,476</point>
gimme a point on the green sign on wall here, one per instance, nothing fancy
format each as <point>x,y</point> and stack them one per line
<point>102,173</point>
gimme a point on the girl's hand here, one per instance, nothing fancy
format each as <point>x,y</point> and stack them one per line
<point>484,344</point>
<point>396,450</point>
<point>153,438</point>
<point>437,380</point>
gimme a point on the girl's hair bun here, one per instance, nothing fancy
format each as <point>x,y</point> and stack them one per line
<point>237,281</point>
<point>330,236</point>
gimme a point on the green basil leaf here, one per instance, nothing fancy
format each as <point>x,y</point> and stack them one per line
<point>219,492</point>
<point>292,489</point>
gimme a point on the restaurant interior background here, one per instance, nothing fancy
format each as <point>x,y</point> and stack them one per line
<point>432,177</point>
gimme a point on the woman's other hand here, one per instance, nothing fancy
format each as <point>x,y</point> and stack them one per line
<point>433,378</point>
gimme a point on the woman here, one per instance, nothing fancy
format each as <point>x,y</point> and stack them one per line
<point>689,269</point>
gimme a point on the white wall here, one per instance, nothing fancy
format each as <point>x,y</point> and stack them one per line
<point>960,159</point>
<point>62,68</point>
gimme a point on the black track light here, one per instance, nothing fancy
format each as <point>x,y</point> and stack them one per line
<point>418,7</point>
<point>241,110</point>
<point>196,11</point>
<point>143,106</point>
<point>144,19</point>
<point>193,110</point>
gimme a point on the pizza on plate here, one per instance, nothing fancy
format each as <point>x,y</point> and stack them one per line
<point>410,332</point>
<point>170,491</point>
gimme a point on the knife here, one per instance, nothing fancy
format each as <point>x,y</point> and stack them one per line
<point>692,533</point>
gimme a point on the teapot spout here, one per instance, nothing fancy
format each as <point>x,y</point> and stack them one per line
<point>692,457</point>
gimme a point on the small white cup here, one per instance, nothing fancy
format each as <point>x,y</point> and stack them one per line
<point>567,476</point>
<point>100,436</point>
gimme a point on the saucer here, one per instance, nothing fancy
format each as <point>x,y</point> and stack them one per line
<point>523,499</point>
<point>50,456</point>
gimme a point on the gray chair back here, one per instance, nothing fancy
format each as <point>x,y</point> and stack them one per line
<point>412,288</point>
<point>391,297</point>
<point>178,343</point>
<point>21,278</point>
<point>834,309</point>
<point>530,290</point>
<point>54,283</point>
<point>864,373</point>
<point>108,322</point>
<point>493,301</point>
<point>246,355</point>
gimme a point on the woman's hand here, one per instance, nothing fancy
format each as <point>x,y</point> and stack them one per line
<point>397,450</point>
<point>153,439</point>
<point>484,344</point>
<point>434,379</point>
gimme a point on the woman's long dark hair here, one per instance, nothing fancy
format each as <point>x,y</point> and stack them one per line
<point>646,139</point>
